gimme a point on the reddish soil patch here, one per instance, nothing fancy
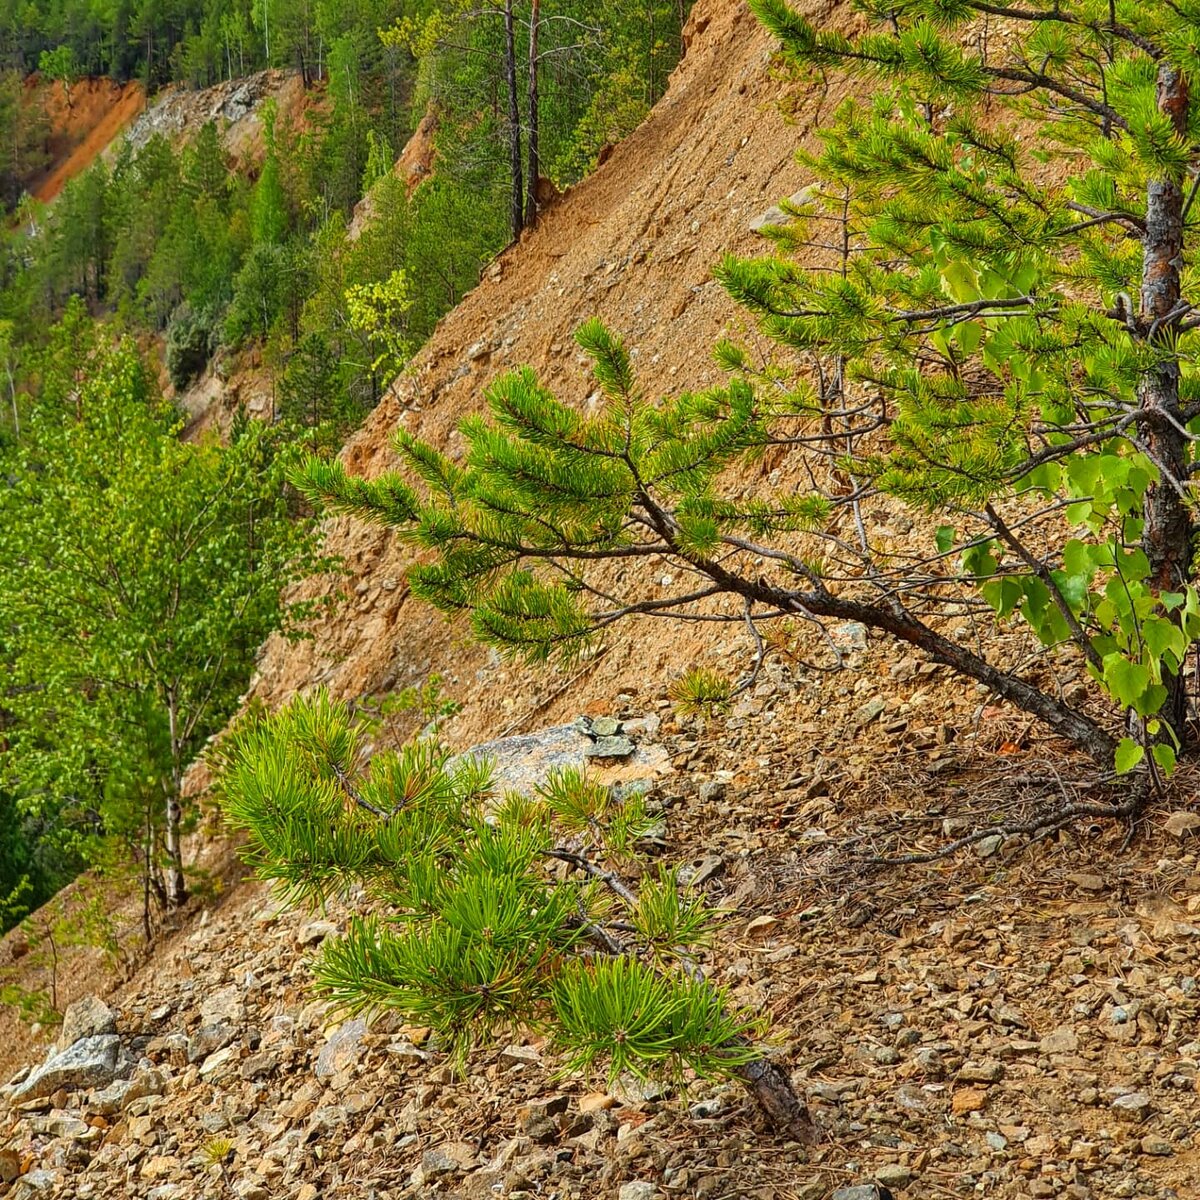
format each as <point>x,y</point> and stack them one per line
<point>81,131</point>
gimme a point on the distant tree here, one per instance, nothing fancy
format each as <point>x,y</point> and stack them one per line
<point>60,66</point>
<point>268,202</point>
<point>377,315</point>
<point>138,574</point>
<point>23,126</point>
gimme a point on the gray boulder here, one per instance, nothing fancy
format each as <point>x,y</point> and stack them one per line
<point>91,1062</point>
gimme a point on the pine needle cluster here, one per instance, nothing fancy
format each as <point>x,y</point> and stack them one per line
<point>492,913</point>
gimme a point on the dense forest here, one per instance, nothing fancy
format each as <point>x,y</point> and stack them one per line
<point>172,249</point>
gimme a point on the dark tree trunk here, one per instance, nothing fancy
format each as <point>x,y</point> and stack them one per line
<point>176,887</point>
<point>1169,528</point>
<point>517,208</point>
<point>534,165</point>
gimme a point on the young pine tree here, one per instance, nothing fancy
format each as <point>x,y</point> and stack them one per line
<point>475,931</point>
<point>982,307</point>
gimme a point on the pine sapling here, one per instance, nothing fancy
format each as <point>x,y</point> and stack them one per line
<point>493,912</point>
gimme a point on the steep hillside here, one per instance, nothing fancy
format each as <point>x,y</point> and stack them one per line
<point>633,244</point>
<point>178,113</point>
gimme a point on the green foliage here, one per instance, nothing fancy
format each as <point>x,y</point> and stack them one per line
<point>475,935</point>
<point>59,65</point>
<point>191,340</point>
<point>700,692</point>
<point>138,574</point>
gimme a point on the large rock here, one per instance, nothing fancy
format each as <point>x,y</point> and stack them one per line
<point>89,1017</point>
<point>36,1183</point>
<point>522,762</point>
<point>91,1062</point>
<point>208,1039</point>
<point>147,1080</point>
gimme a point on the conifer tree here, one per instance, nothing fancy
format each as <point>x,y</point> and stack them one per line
<point>983,307</point>
<point>476,932</point>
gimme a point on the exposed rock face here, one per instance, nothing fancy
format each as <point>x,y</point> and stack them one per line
<point>604,746</point>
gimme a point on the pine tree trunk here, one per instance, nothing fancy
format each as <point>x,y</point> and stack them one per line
<point>535,168</point>
<point>517,208</point>
<point>1168,529</point>
<point>772,1090</point>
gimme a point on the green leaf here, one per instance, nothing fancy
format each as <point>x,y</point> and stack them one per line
<point>1126,680</point>
<point>1164,638</point>
<point>1164,755</point>
<point>944,539</point>
<point>1129,754</point>
<point>1003,594</point>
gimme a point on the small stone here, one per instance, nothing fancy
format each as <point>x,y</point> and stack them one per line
<point>610,747</point>
<point>968,1100</point>
<point>224,1007</point>
<point>450,1158</point>
<point>709,868</point>
<point>89,1017</point>
<point>1133,1106</point>
<point>859,1191</point>
<point>1182,824</point>
<point>996,1141</point>
<point>712,791</point>
<point>989,845</point>
<point>852,635</point>
<point>216,1064</point>
<point>760,925</point>
<point>1156,1146</point>
<point>208,1039</point>
<point>981,1072</point>
<point>929,1061</point>
<point>895,1175</point>
<point>315,932</point>
<point>605,727</point>
<point>869,711</point>
<point>342,1048</point>
<point>1063,1040</point>
<point>10,1165</point>
<point>596,1102</point>
<point>36,1183</point>
<point>1087,882</point>
<point>637,1189</point>
<point>159,1166</point>
<point>63,1125</point>
<point>524,1056</point>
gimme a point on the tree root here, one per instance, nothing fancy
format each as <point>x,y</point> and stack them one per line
<point>1036,828</point>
